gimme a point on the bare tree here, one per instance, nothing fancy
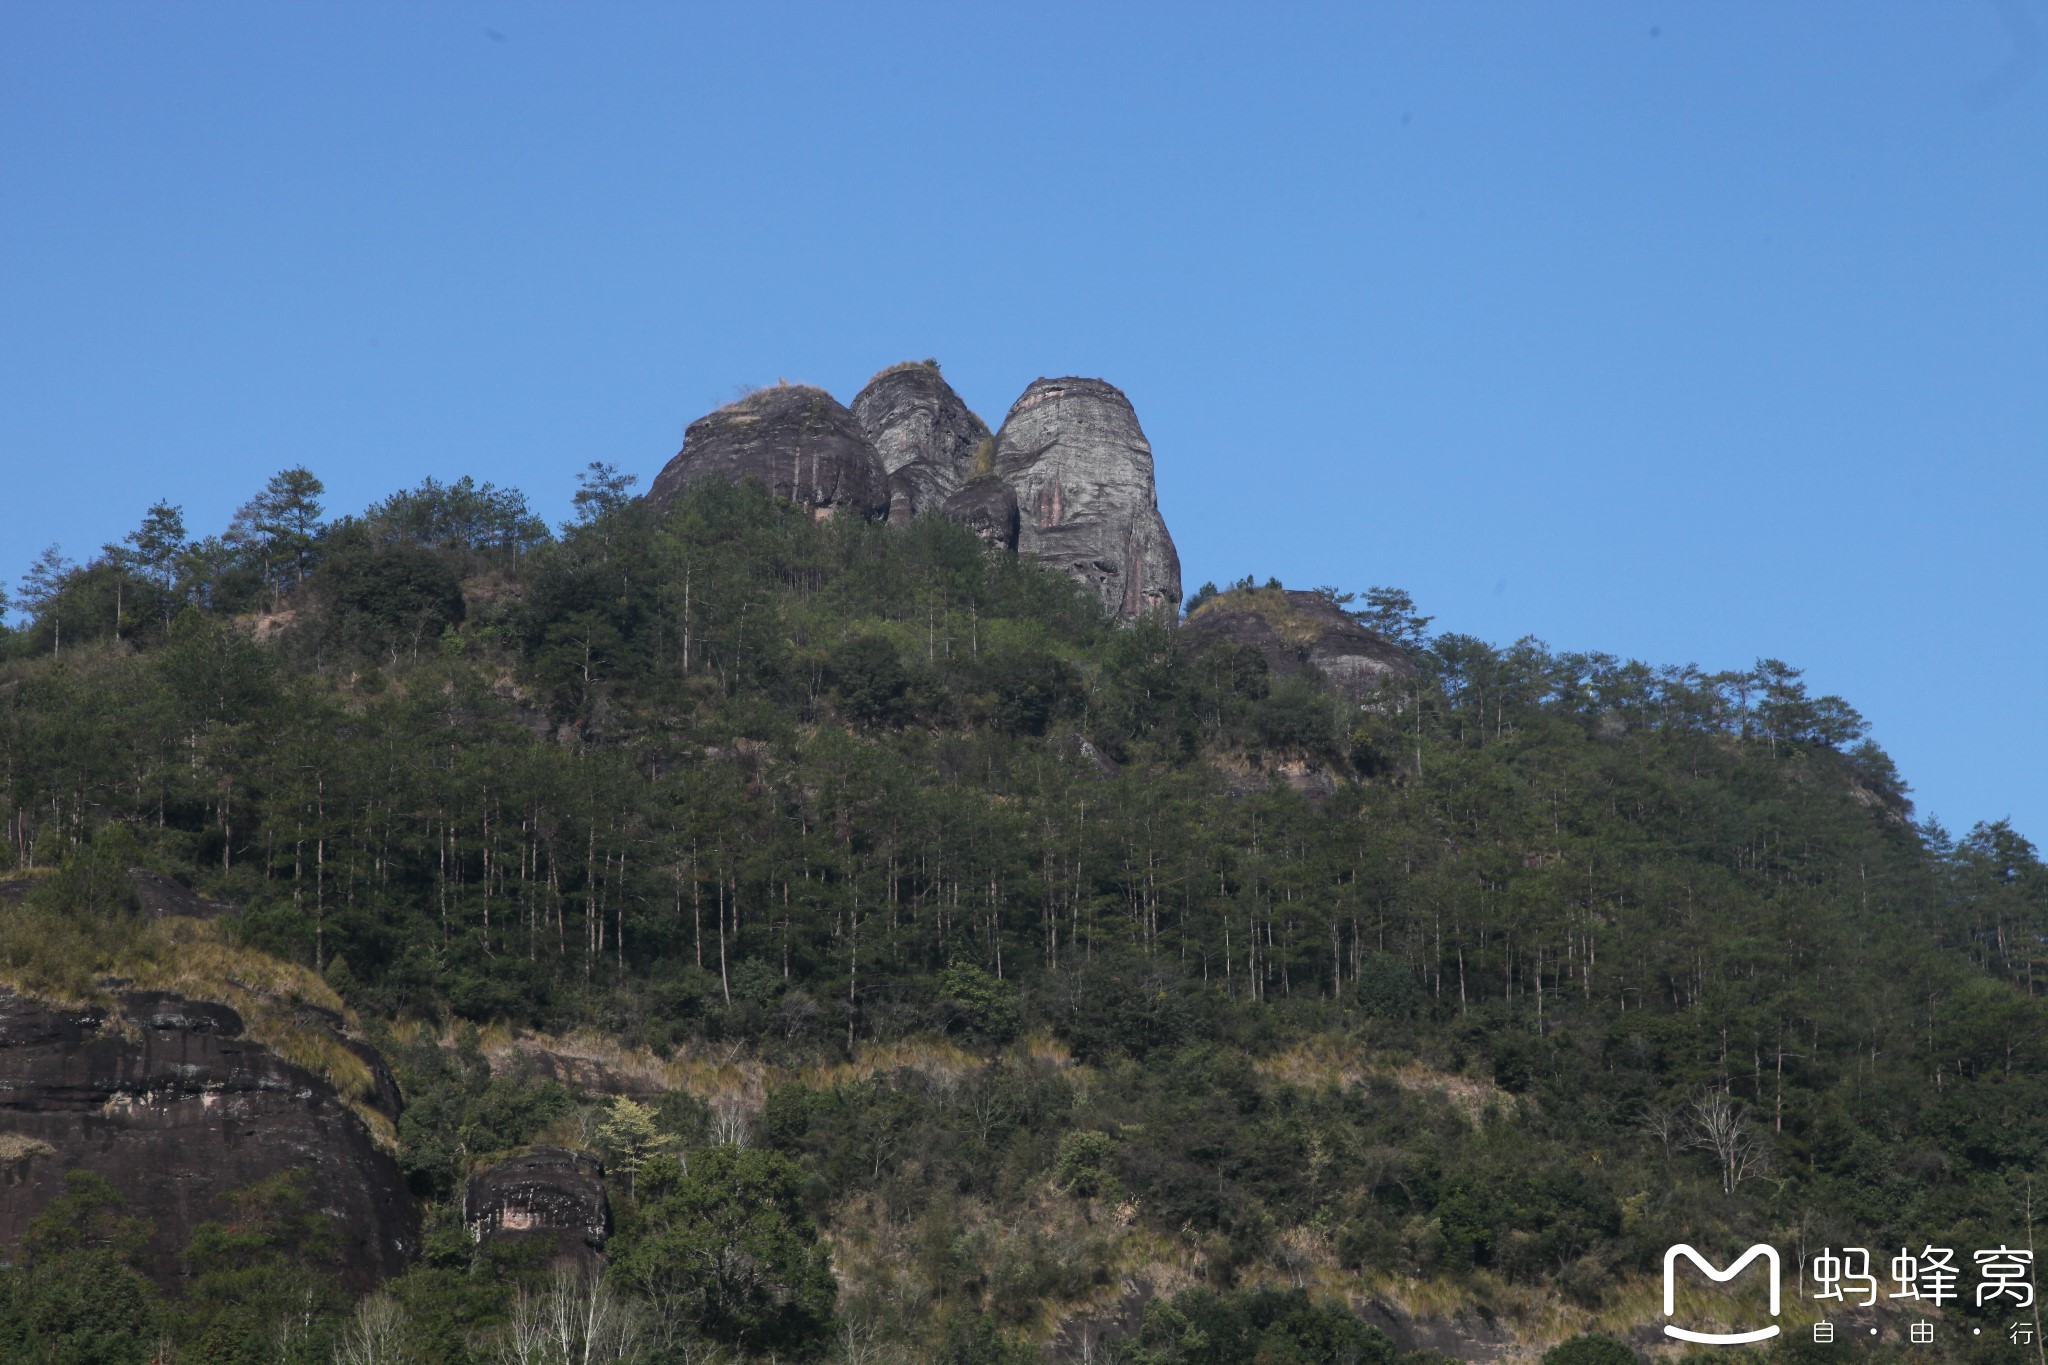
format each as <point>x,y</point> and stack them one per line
<point>578,1321</point>
<point>375,1334</point>
<point>1719,1125</point>
<point>1660,1121</point>
<point>729,1124</point>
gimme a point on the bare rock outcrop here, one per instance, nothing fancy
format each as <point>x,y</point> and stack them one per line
<point>549,1193</point>
<point>1297,630</point>
<point>800,442</point>
<point>927,437</point>
<point>167,1099</point>
<point>1073,453</point>
<point>987,507</point>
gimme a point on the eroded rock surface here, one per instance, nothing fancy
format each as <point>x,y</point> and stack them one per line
<point>927,437</point>
<point>169,1101</point>
<point>987,507</point>
<point>800,442</point>
<point>1297,630</point>
<point>550,1193</point>
<point>1080,466</point>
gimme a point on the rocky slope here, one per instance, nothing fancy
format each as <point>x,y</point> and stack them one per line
<point>927,437</point>
<point>1080,466</point>
<point>169,1100</point>
<point>797,440</point>
<point>1297,630</point>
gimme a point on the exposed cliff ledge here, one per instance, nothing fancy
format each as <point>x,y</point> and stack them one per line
<point>798,441</point>
<point>1297,630</point>
<point>171,1101</point>
<point>1080,466</point>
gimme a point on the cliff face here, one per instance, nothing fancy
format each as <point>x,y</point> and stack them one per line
<point>1080,466</point>
<point>1297,630</point>
<point>925,434</point>
<point>798,441</point>
<point>169,1101</point>
<point>550,1193</point>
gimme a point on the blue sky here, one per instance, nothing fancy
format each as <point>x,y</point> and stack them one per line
<point>1687,332</point>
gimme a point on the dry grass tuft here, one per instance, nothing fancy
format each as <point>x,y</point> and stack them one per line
<point>18,1147</point>
<point>1327,1063</point>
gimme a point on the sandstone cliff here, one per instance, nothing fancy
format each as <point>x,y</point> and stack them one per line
<point>1080,466</point>
<point>172,1102</point>
<point>927,437</point>
<point>798,441</point>
<point>1297,630</point>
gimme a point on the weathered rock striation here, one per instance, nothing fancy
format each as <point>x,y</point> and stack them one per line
<point>1297,630</point>
<point>927,437</point>
<point>550,1193</point>
<point>1080,466</point>
<point>798,441</point>
<point>987,507</point>
<point>169,1101</point>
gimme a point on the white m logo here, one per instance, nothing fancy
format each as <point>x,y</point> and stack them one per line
<point>1769,1254</point>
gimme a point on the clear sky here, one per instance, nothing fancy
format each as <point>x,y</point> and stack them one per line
<point>1697,332</point>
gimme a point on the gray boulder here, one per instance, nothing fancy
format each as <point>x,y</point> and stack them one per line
<point>927,437</point>
<point>800,442</point>
<point>1080,466</point>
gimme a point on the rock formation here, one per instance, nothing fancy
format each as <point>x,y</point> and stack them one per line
<point>1068,479</point>
<point>1297,630</point>
<point>927,437</point>
<point>1080,466</point>
<point>551,1193</point>
<point>987,507</point>
<point>798,441</point>
<point>169,1101</point>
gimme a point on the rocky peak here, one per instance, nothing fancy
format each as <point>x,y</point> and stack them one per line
<point>927,437</point>
<point>1297,630</point>
<point>800,442</point>
<point>1072,452</point>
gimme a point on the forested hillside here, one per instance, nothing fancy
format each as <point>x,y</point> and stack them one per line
<point>1050,983</point>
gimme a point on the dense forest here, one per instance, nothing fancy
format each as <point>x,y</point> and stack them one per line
<point>1002,958</point>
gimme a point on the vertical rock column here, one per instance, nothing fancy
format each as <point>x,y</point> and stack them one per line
<point>1073,453</point>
